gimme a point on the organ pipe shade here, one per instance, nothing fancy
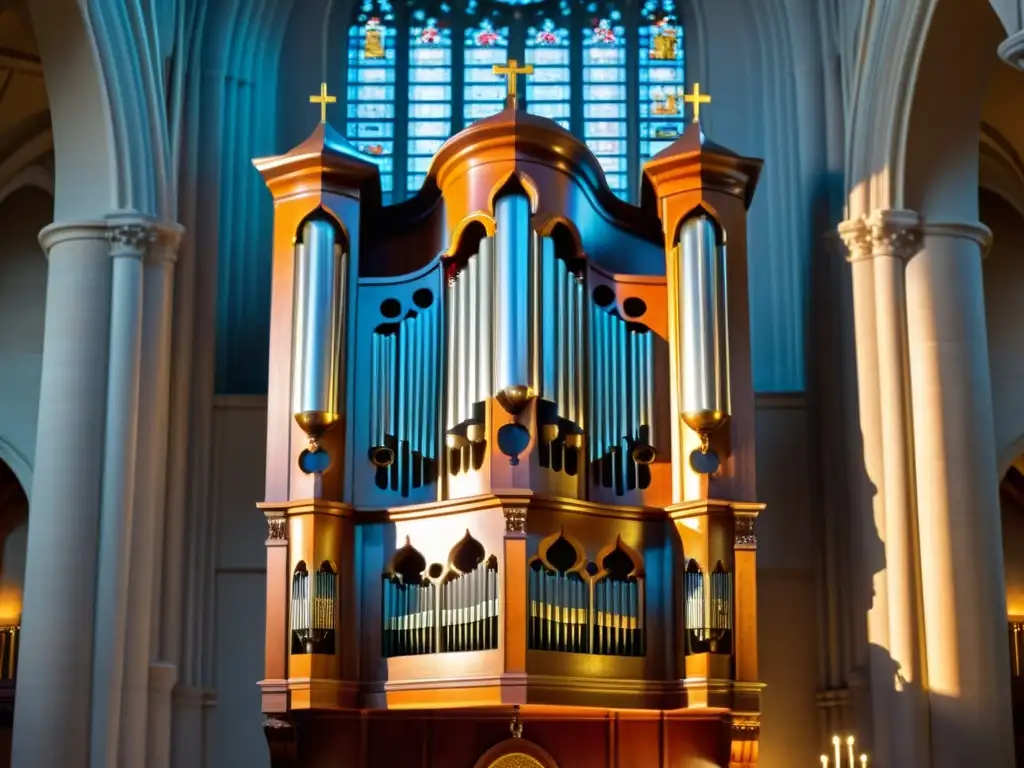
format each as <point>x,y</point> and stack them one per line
<point>703,330</point>
<point>318,343</point>
<point>512,301</point>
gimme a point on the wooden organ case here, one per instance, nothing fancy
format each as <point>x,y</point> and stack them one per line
<point>510,469</point>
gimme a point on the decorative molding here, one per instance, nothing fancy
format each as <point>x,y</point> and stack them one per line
<point>744,536</point>
<point>515,520</point>
<point>883,233</point>
<point>60,232</point>
<point>130,239</point>
<point>277,528</point>
<point>974,231</point>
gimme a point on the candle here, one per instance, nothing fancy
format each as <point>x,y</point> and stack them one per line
<point>863,761</point>
<point>824,761</point>
<point>835,744</point>
<point>849,751</point>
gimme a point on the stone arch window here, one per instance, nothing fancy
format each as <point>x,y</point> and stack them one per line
<point>610,71</point>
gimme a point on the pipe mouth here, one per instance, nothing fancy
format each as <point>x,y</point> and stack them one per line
<point>574,441</point>
<point>382,456</point>
<point>643,454</point>
<point>475,433</point>
<point>548,433</point>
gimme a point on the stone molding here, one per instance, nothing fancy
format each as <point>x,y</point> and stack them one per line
<point>515,520</point>
<point>974,231</point>
<point>884,233</point>
<point>131,234</point>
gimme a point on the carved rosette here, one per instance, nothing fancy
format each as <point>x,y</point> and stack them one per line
<point>277,529</point>
<point>515,520</point>
<point>745,537</point>
<point>888,234</point>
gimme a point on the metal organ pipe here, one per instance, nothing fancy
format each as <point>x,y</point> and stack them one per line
<point>318,342</point>
<point>512,301</point>
<point>703,331</point>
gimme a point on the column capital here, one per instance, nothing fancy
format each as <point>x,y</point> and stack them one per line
<point>137,235</point>
<point>963,230</point>
<point>882,233</point>
<point>58,232</point>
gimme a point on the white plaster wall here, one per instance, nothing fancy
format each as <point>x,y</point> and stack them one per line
<point>1003,272</point>
<point>22,310</point>
<point>239,451</point>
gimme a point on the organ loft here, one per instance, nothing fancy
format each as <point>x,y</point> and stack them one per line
<point>510,457</point>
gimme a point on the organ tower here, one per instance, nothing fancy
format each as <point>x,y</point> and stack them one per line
<point>510,458</point>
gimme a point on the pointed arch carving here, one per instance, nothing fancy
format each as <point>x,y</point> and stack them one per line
<point>516,753</point>
<point>511,180</point>
<point>558,546</point>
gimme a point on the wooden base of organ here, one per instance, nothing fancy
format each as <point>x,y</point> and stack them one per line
<point>570,737</point>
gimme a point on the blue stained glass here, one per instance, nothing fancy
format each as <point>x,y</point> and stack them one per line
<point>604,96</point>
<point>661,76</point>
<point>486,44</point>
<point>430,110</point>
<point>370,112</point>
<point>551,110</point>
<point>430,95</point>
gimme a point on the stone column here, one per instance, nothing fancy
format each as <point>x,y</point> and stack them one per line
<point>52,718</point>
<point>880,247</point>
<point>131,236</point>
<point>964,593</point>
<point>148,517</point>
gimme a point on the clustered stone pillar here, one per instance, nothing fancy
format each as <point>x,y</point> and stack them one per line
<point>96,497</point>
<point>964,595</point>
<point>938,662</point>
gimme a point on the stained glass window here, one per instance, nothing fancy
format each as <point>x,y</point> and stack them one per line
<point>370,96</point>
<point>661,74</point>
<point>486,44</point>
<point>611,72</point>
<point>430,94</point>
<point>549,88</point>
<point>604,97</point>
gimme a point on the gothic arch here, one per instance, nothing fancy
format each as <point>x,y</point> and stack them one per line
<point>516,753</point>
<point>19,465</point>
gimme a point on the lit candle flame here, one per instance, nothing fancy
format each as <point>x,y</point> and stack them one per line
<point>835,744</point>
<point>824,761</point>
<point>849,751</point>
<point>863,761</point>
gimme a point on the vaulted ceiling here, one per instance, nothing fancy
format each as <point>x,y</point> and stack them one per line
<point>24,108</point>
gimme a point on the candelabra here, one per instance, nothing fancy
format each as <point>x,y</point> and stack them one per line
<point>851,761</point>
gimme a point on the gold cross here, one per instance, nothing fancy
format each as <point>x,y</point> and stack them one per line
<point>696,98</point>
<point>323,100</point>
<point>510,71</point>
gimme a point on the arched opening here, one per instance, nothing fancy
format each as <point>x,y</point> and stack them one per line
<point>13,540</point>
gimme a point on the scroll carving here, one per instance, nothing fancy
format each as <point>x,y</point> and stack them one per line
<point>277,529</point>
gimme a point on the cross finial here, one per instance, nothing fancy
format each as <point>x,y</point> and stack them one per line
<point>323,100</point>
<point>696,98</point>
<point>511,71</point>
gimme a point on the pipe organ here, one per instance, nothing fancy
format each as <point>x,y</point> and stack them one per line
<point>510,452</point>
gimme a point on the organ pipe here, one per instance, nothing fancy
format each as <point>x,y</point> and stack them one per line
<point>470,346</point>
<point>512,302</point>
<point>703,331</point>
<point>404,400</point>
<point>314,598</point>
<point>318,322</point>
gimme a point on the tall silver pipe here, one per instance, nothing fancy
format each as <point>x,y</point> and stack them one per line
<point>582,419</point>
<point>471,329</point>
<point>615,377</point>
<point>402,385</point>
<point>572,359</point>
<point>485,322</point>
<point>635,385</point>
<point>318,343</point>
<point>462,332</point>
<point>391,383</point>
<point>649,371</point>
<point>512,301</point>
<point>547,320</point>
<point>451,388</point>
<point>376,437</point>
<point>703,331</point>
<point>622,371</point>
<point>594,379</point>
<point>428,421</point>
<point>561,347</point>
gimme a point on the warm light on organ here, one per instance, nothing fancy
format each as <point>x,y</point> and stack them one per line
<point>510,374</point>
